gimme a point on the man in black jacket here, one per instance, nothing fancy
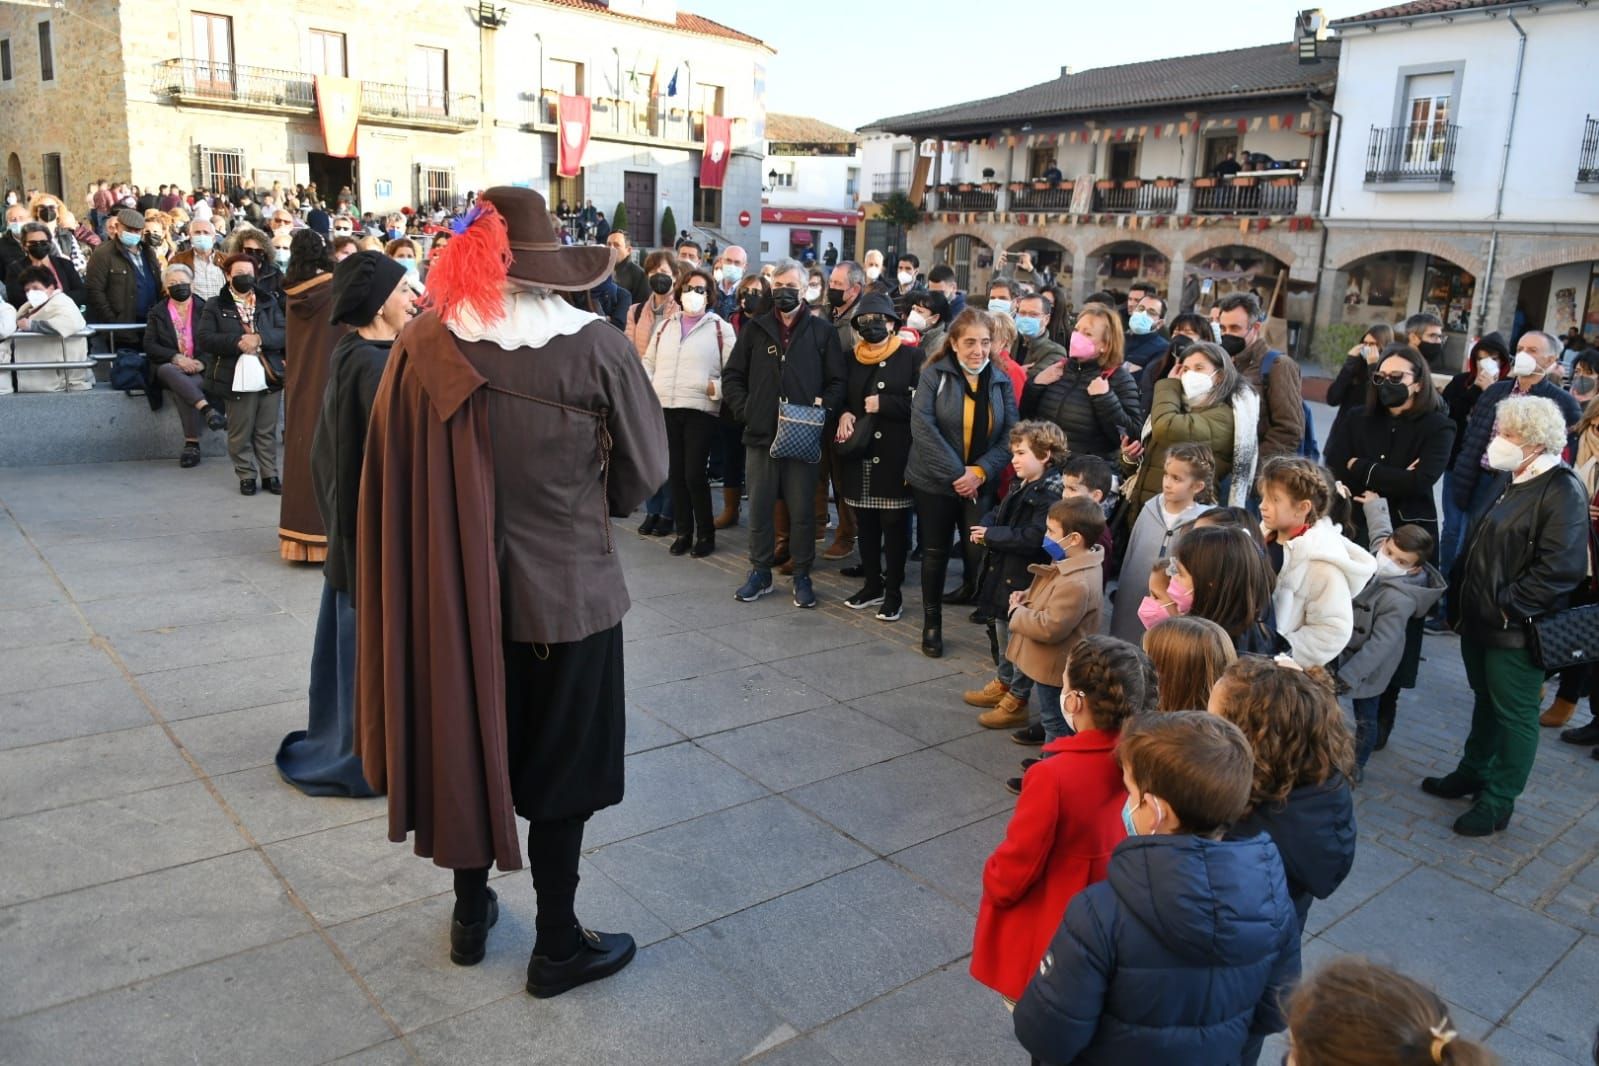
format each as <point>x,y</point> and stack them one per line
<point>628,274</point>
<point>787,355</point>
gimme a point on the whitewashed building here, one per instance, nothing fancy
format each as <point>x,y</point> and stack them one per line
<point>813,173</point>
<point>1466,167</point>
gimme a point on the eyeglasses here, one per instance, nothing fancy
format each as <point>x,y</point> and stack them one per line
<point>1398,377</point>
<point>871,320</point>
<point>695,288</point>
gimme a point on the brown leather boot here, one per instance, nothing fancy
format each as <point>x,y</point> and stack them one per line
<point>730,503</point>
<point>1009,713</point>
<point>987,696</point>
<point>1558,714</point>
<point>843,545</point>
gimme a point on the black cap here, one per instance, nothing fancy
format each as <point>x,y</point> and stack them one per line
<point>361,285</point>
<point>875,303</point>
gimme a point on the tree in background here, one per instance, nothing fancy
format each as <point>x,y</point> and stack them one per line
<point>619,218</point>
<point>668,228</point>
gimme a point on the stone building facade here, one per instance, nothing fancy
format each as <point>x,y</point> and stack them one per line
<point>452,98</point>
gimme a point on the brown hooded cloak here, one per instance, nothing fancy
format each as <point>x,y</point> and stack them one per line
<point>310,339</point>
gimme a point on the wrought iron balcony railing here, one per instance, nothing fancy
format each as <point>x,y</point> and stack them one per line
<point>1588,161</point>
<point>232,84</point>
<point>1423,152</point>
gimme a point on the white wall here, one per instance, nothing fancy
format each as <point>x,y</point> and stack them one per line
<point>1549,119</point>
<point>819,181</point>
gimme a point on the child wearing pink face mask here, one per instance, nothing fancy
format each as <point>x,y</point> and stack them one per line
<point>1185,495</point>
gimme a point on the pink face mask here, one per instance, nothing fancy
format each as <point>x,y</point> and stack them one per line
<point>1151,612</point>
<point>1181,595</point>
<point>1082,347</point>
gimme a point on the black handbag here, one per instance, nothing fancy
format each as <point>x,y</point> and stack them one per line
<point>860,440</point>
<point>1565,638</point>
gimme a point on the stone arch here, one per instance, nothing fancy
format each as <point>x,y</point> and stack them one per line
<point>1064,245</point>
<point>14,173</point>
<point>1576,250</point>
<point>1203,245</point>
<point>1347,256</point>
<point>1163,243</point>
<point>960,251</point>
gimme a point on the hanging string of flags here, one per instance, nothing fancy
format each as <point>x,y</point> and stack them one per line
<point>1303,121</point>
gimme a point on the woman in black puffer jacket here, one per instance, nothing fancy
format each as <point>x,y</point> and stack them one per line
<point>1091,396</point>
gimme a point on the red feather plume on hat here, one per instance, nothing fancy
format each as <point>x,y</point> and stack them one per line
<point>469,273</point>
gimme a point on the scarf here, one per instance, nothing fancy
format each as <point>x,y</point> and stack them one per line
<point>866,356</point>
<point>977,443</point>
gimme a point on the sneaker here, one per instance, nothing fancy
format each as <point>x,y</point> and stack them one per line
<point>1028,764</point>
<point>1032,736</point>
<point>758,584</point>
<point>190,456</point>
<point>1015,786</point>
<point>864,598</point>
<point>892,608</point>
<point>804,595</point>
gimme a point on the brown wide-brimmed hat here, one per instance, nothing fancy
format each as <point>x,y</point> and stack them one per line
<point>537,255</point>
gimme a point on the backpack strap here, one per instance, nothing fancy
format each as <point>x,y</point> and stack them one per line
<point>638,312</point>
<point>1267,363</point>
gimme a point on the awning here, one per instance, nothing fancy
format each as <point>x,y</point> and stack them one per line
<point>799,236</point>
<point>805,216</point>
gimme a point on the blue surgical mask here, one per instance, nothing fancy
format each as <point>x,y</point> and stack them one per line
<point>1029,327</point>
<point>1127,818</point>
<point>1054,549</point>
<point>130,240</point>
<point>15,228</point>
<point>731,275</point>
<point>999,307</point>
<point>1141,322</point>
<point>282,257</point>
<point>202,242</point>
<point>396,234</point>
<point>409,265</point>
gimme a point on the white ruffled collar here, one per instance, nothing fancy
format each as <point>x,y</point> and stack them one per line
<point>533,317</point>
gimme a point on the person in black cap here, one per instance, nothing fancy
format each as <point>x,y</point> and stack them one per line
<point>369,293</point>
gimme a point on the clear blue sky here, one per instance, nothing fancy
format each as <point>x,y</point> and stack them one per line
<point>850,63</point>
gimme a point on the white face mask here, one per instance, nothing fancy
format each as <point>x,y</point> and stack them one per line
<point>37,297</point>
<point>1525,366</point>
<point>873,273</point>
<point>906,277</point>
<point>916,320</point>
<point>1386,567</point>
<point>1504,454</point>
<point>1489,367</point>
<point>813,293</point>
<point>1196,384</point>
<point>717,273</point>
<point>978,369</point>
<point>692,302</point>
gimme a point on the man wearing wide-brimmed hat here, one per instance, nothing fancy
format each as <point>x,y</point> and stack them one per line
<point>509,430</point>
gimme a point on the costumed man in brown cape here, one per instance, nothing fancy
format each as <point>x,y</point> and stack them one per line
<point>508,432</point>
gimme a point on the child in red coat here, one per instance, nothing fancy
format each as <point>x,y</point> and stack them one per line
<point>1068,819</point>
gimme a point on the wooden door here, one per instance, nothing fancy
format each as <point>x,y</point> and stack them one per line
<point>638,194</point>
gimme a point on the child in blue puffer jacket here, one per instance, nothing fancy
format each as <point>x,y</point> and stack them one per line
<point>1187,947</point>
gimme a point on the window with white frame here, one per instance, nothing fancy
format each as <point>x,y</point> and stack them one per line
<point>428,80</point>
<point>1427,116</point>
<point>327,54</point>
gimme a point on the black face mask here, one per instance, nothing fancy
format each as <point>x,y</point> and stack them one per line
<point>38,249</point>
<point>257,256</point>
<point>1392,393</point>
<point>1432,351</point>
<point>660,284</point>
<point>1234,344</point>
<point>750,302</point>
<point>152,240</point>
<point>786,299</point>
<point>47,214</point>
<point>179,292</point>
<point>835,297</point>
<point>875,333</point>
<point>243,284</point>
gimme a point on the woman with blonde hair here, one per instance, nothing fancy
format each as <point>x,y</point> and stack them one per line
<point>1090,394</point>
<point>52,212</point>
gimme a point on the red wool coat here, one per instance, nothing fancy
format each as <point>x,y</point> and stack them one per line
<point>1067,822</point>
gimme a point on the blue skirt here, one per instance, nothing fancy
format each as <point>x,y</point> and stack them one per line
<point>320,760</point>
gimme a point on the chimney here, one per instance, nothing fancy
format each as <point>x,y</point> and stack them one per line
<point>1066,72</point>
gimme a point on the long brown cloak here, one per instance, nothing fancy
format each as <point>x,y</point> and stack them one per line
<point>430,674</point>
<point>311,336</point>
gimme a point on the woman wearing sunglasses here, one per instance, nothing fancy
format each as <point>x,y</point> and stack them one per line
<point>684,360</point>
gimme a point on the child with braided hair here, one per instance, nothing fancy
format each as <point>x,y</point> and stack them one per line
<point>1068,819</point>
<point>1353,1012</point>
<point>1304,756</point>
<point>1321,571</point>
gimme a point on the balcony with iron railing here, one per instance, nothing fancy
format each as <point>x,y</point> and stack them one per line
<point>886,185</point>
<point>231,85</point>
<point>1416,156</point>
<point>1274,192</point>
<point>1040,195</point>
<point>238,87</point>
<point>1588,160</point>
<point>964,198</point>
<point>1136,196</point>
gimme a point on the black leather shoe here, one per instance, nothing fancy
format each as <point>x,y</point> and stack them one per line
<point>1480,822</point>
<point>598,955</point>
<point>468,942</point>
<point>681,545</point>
<point>646,528</point>
<point>933,642</point>
<point>856,570</point>
<point>703,546</point>
<point>247,486</point>
<point>1453,786</point>
<point>272,485</point>
<point>189,456</point>
<point>1583,734</point>
<point>215,420</point>
<point>1031,736</point>
<point>963,594</point>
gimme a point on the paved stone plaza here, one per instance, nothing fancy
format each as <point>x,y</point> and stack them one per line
<point>809,805</point>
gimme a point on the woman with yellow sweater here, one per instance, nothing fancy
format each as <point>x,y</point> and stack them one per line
<point>961,419</point>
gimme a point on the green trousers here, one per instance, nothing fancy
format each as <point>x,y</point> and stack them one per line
<point>1504,721</point>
